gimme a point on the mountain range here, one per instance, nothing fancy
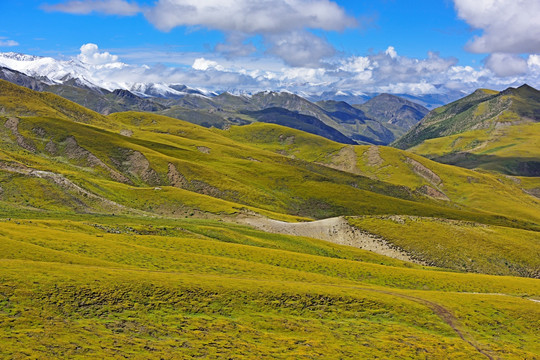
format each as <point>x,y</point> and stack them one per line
<point>488,129</point>
<point>470,132</point>
<point>346,124</point>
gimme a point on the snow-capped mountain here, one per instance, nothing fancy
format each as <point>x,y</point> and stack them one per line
<point>47,69</point>
<point>80,74</point>
<point>109,76</point>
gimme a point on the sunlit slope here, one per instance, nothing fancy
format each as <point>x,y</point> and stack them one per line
<point>155,164</point>
<point>487,129</point>
<point>446,184</point>
<point>124,168</point>
<point>20,101</point>
<point>459,245</point>
<point>148,288</point>
<point>511,150</point>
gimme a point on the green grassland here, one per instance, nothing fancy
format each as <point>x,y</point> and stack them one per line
<point>466,189</point>
<point>117,241</point>
<point>113,287</point>
<point>464,246</point>
<point>506,149</point>
<point>208,163</point>
<point>486,130</point>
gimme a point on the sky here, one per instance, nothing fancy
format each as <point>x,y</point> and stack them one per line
<point>397,46</point>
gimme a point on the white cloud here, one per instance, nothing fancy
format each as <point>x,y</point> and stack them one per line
<point>248,16</point>
<point>302,76</point>
<point>300,49</point>
<point>420,88</point>
<point>509,26</point>
<point>388,67</point>
<point>465,75</point>
<point>506,64</point>
<point>534,61</point>
<point>355,64</point>
<point>283,24</point>
<point>204,64</point>
<point>108,7</point>
<point>391,51</point>
<point>8,43</point>
<point>90,54</point>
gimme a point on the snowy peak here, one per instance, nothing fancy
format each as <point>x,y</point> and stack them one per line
<point>19,57</point>
<point>46,67</point>
<point>77,73</point>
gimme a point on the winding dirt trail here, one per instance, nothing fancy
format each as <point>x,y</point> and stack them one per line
<point>445,315</point>
<point>336,230</point>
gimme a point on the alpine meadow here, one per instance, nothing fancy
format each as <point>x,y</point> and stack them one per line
<point>234,180</point>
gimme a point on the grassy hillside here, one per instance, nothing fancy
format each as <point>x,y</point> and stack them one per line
<point>488,130</point>
<point>464,246</point>
<point>510,150</point>
<point>181,159</point>
<point>162,288</point>
<point>449,186</point>
<point>117,239</point>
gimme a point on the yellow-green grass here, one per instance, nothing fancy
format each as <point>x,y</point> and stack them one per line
<point>20,101</point>
<point>473,189</point>
<point>284,140</point>
<point>530,185</point>
<point>153,288</point>
<point>466,189</point>
<point>234,172</point>
<point>497,133</point>
<point>493,147</point>
<point>460,245</point>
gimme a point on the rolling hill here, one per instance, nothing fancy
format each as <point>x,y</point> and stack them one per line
<point>127,236</point>
<point>487,129</point>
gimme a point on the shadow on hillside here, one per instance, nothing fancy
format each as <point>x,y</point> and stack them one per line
<point>517,166</point>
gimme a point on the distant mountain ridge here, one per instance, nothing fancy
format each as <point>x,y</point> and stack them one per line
<point>337,121</point>
<point>482,109</point>
<point>488,129</point>
<point>60,71</point>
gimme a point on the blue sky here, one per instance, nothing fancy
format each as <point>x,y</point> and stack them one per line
<point>390,45</point>
<point>383,23</point>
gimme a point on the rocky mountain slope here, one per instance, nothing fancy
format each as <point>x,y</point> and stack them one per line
<point>391,109</point>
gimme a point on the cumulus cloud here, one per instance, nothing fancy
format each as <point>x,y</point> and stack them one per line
<point>204,64</point>
<point>300,49</point>
<point>509,26</point>
<point>108,7</point>
<point>506,64</point>
<point>283,24</point>
<point>534,61</point>
<point>248,16</point>
<point>388,67</point>
<point>90,54</point>
<point>7,42</point>
<point>391,51</point>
